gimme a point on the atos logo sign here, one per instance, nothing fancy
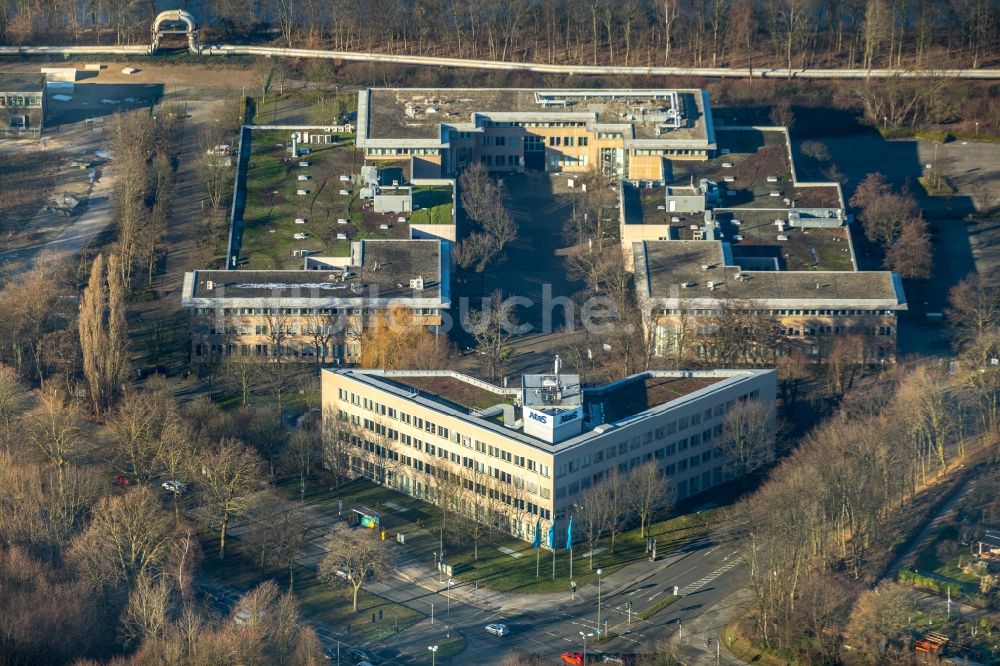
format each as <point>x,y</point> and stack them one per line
<point>566,418</point>
<point>535,416</point>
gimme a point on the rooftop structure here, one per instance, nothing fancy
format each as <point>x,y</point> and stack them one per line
<point>626,132</point>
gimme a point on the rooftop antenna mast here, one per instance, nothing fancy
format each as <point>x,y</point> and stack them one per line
<point>557,364</point>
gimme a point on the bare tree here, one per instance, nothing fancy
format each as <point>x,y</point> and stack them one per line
<point>103,333</point>
<point>592,515</point>
<point>244,372</point>
<point>278,529</point>
<point>493,328</point>
<point>136,432</point>
<point>647,494</point>
<point>128,537</point>
<point>973,310</point>
<point>146,615</point>
<point>359,555</point>
<point>747,437</point>
<point>13,399</point>
<point>302,455</point>
<point>228,477</point>
<point>55,433</point>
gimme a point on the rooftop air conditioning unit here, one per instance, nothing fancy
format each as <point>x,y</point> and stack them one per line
<point>209,285</point>
<point>711,286</point>
<point>417,283</point>
<point>687,285</point>
<point>705,267</point>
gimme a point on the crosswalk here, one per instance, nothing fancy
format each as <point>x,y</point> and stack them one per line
<point>705,580</point>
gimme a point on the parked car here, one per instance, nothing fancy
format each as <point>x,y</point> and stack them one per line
<point>122,480</point>
<point>574,658</point>
<point>498,629</point>
<point>175,486</point>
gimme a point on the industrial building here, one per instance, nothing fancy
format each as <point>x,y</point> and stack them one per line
<point>621,133</point>
<point>22,104</point>
<point>531,449</point>
<point>315,315</point>
<point>745,242</point>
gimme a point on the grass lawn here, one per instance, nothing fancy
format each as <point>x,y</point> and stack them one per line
<point>494,569</point>
<point>432,205</point>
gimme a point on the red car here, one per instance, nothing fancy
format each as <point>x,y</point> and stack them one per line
<point>574,658</point>
<point>121,480</point>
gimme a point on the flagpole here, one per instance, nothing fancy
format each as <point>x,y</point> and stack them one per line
<point>553,562</point>
<point>571,562</point>
<point>538,554</point>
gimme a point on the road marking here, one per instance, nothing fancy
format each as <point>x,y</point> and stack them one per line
<point>709,552</point>
<point>634,592</point>
<point>698,584</point>
<point>655,595</point>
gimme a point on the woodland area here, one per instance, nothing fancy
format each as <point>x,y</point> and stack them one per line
<point>733,33</point>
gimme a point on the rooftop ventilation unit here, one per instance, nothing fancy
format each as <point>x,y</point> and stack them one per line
<point>417,283</point>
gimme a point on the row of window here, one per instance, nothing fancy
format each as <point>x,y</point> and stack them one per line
<point>21,100</point>
<point>680,425</point>
<point>373,469</point>
<point>439,431</point>
<point>334,351</point>
<point>783,313</point>
<point>305,312</point>
<point>569,141</point>
<point>402,151</point>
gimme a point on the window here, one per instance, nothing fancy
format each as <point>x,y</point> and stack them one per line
<point>568,141</point>
<point>583,141</point>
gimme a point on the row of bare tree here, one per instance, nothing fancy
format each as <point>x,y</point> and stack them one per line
<point>893,220</point>
<point>831,513</point>
<point>811,33</point>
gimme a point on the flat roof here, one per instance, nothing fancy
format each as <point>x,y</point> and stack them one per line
<point>631,397</point>
<point>384,273</point>
<point>663,267</point>
<point>21,83</point>
<point>419,113</point>
<point>803,249</point>
<point>461,396</point>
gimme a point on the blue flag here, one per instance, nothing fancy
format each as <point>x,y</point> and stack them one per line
<point>569,533</point>
<point>552,535</point>
<point>537,543</point>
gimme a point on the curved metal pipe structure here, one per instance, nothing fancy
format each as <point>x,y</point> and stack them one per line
<point>175,16</point>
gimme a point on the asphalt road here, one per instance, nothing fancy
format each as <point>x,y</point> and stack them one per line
<point>706,573</point>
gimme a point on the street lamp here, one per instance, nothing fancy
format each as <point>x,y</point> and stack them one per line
<point>977,129</point>
<point>433,649</point>
<point>450,583</point>
<point>585,645</point>
<point>599,572</point>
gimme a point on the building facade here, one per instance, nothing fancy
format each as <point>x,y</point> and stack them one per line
<point>621,133</point>
<point>531,451</point>
<point>315,315</point>
<point>22,104</point>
